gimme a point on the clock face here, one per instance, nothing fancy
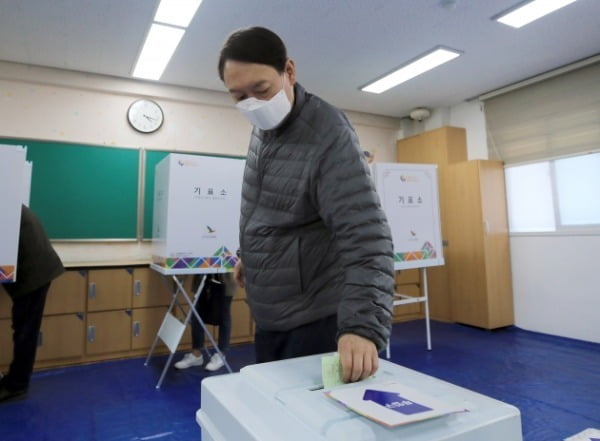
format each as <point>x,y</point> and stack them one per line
<point>145,116</point>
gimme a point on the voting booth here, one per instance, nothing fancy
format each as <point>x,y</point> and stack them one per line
<point>409,197</point>
<point>195,232</point>
<point>285,400</point>
<point>196,212</point>
<point>15,177</point>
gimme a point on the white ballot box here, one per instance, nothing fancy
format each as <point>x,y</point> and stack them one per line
<point>284,400</point>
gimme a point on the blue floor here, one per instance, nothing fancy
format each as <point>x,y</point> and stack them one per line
<point>555,382</point>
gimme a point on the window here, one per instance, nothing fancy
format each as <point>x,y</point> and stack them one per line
<point>556,195</point>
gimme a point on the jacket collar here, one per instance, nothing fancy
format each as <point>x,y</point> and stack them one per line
<point>300,96</point>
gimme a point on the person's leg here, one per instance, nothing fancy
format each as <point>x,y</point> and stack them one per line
<point>313,338</point>
<point>225,326</point>
<point>27,314</point>
<point>194,357</point>
<point>216,362</point>
<point>268,345</point>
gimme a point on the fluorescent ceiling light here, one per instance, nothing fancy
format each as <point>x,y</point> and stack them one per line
<point>531,11</point>
<point>177,12</point>
<point>417,67</point>
<point>160,44</point>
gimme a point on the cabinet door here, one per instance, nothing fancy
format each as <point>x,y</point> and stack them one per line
<point>6,342</point>
<point>67,293</point>
<point>496,244</point>
<point>109,289</point>
<point>151,288</point>
<point>108,332</point>
<point>5,304</point>
<point>145,326</point>
<point>61,336</point>
<point>443,146</point>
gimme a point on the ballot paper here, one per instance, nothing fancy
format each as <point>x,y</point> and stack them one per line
<point>331,370</point>
<point>392,403</point>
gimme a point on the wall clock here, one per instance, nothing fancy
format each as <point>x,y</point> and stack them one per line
<point>145,116</point>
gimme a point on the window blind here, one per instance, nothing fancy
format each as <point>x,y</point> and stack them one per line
<point>556,117</point>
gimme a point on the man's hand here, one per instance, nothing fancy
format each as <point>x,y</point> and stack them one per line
<point>238,274</point>
<point>358,357</point>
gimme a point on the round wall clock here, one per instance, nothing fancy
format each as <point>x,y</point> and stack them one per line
<point>145,116</point>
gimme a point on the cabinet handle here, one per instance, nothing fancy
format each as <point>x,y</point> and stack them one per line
<point>40,341</point>
<point>137,288</point>
<point>91,334</point>
<point>92,290</point>
<point>136,329</point>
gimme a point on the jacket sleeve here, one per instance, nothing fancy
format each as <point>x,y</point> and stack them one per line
<point>350,208</point>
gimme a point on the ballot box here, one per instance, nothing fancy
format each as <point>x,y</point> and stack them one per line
<point>284,400</point>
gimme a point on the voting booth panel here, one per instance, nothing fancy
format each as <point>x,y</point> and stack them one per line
<point>194,232</point>
<point>409,197</point>
<point>285,400</point>
<point>196,212</point>
<point>14,172</point>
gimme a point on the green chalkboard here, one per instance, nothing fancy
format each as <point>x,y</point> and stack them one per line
<point>153,157</point>
<point>83,192</point>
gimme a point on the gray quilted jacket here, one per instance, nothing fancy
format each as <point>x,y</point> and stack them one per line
<point>314,240</point>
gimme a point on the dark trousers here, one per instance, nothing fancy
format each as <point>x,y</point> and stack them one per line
<point>215,284</point>
<point>27,313</point>
<point>313,338</point>
<point>224,328</point>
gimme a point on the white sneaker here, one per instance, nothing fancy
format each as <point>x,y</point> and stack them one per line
<point>215,363</point>
<point>189,360</point>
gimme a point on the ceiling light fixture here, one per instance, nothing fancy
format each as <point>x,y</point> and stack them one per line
<point>158,49</point>
<point>424,63</point>
<point>530,11</point>
<point>170,22</point>
<point>177,12</point>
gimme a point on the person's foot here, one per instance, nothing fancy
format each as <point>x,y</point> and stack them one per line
<point>216,362</point>
<point>8,393</point>
<point>189,360</point>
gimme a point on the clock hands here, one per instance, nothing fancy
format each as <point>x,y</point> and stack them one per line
<point>149,118</point>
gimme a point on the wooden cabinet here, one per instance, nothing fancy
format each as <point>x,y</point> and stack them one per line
<point>150,288</point>
<point>67,293</point>
<point>108,332</point>
<point>6,342</point>
<point>95,314</point>
<point>443,146</point>
<point>5,304</point>
<point>61,337</point>
<point>478,247</point>
<point>145,325</point>
<point>109,289</point>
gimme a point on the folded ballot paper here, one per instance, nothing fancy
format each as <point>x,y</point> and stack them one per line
<point>389,403</point>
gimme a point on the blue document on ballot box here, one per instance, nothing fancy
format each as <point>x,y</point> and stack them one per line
<point>392,403</point>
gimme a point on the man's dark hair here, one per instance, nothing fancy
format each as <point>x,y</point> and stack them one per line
<point>254,45</point>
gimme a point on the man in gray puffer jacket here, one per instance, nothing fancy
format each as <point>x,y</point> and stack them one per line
<point>316,249</point>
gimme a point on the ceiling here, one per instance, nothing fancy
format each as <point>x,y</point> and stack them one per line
<point>338,45</point>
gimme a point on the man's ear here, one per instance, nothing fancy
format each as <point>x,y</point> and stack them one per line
<point>290,70</point>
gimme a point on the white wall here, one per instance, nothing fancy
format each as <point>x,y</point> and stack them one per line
<point>58,105</point>
<point>556,279</point>
<point>556,285</point>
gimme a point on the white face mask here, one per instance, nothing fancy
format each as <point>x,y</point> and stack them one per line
<point>266,114</point>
